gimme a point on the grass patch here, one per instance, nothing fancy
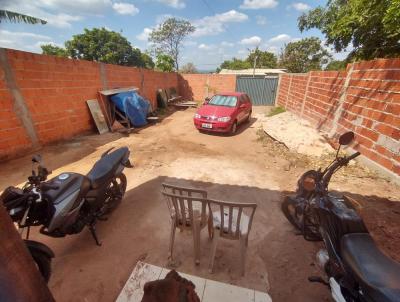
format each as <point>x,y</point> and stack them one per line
<point>276,110</point>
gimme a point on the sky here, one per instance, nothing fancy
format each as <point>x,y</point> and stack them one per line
<point>224,28</point>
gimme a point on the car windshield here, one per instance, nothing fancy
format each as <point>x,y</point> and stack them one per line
<point>223,100</point>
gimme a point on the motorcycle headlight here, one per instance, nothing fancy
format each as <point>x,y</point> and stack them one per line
<point>196,115</point>
<point>309,184</point>
<point>224,119</point>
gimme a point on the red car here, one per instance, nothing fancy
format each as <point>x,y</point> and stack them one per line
<point>223,112</point>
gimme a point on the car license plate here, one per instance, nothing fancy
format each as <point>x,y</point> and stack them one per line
<point>208,126</point>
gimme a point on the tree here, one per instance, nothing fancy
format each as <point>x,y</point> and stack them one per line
<point>147,61</point>
<point>17,17</point>
<point>370,26</point>
<point>336,65</point>
<point>265,59</point>
<point>102,45</point>
<point>304,55</point>
<point>235,64</point>
<point>188,68</point>
<point>165,63</point>
<point>49,49</point>
<point>168,37</point>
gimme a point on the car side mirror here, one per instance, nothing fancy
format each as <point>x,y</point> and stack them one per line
<point>206,101</point>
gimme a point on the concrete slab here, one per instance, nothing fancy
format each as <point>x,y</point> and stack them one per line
<point>207,290</point>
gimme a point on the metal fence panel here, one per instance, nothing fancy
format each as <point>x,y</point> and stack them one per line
<point>261,90</point>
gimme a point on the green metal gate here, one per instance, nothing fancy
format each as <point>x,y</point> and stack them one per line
<point>262,90</point>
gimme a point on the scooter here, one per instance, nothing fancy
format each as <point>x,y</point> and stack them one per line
<point>356,269</point>
<point>67,203</point>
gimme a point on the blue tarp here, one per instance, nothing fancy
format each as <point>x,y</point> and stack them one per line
<point>133,105</point>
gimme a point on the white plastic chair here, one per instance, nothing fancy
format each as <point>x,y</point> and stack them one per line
<point>232,221</point>
<point>188,211</point>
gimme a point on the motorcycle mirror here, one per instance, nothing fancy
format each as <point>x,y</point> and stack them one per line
<point>36,158</point>
<point>346,138</point>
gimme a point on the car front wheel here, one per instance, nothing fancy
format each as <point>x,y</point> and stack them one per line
<point>233,128</point>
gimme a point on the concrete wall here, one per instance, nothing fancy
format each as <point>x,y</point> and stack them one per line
<point>43,98</point>
<point>365,99</point>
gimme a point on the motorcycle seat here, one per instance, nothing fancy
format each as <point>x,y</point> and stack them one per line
<point>378,275</point>
<point>104,169</point>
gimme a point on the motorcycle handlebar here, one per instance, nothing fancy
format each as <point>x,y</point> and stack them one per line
<point>353,156</point>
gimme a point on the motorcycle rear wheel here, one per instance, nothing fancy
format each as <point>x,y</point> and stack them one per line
<point>115,192</point>
<point>289,209</point>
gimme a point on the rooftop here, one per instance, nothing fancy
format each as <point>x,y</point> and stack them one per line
<point>257,71</point>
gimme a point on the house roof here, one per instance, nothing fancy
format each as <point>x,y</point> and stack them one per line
<point>249,71</point>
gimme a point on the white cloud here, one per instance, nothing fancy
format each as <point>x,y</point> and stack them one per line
<point>214,25</point>
<point>226,44</point>
<point>62,20</point>
<point>70,11</point>
<point>144,35</point>
<point>279,38</point>
<point>257,4</point>
<point>23,40</point>
<point>189,43</point>
<point>300,6</point>
<point>273,49</point>
<point>174,3</point>
<point>206,47</point>
<point>253,41</point>
<point>123,8</point>
<point>261,20</point>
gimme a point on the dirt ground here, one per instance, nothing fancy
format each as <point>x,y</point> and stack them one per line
<point>247,167</point>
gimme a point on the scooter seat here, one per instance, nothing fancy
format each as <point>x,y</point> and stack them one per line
<point>104,169</point>
<point>378,275</point>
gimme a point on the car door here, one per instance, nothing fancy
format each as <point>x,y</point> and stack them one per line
<point>242,108</point>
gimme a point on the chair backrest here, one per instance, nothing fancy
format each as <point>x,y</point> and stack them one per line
<point>183,202</point>
<point>234,217</point>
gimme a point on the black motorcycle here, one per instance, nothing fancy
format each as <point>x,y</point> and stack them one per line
<point>356,269</point>
<point>67,203</point>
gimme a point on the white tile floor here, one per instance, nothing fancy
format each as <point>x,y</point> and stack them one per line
<point>207,290</point>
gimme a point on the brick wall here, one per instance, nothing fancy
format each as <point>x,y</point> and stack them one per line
<point>55,91</point>
<point>365,99</point>
<point>199,86</point>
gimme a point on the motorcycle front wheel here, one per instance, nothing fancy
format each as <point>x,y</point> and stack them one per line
<point>43,263</point>
<point>291,209</point>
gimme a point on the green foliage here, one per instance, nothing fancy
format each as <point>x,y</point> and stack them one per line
<point>265,59</point>
<point>336,65</point>
<point>169,35</point>
<point>49,49</point>
<point>235,64</point>
<point>102,45</point>
<point>304,55</point>
<point>164,63</point>
<point>370,26</point>
<point>276,110</point>
<point>146,61</point>
<point>18,18</point>
<point>188,68</point>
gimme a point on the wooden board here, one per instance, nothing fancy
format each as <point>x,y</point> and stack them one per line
<point>118,90</point>
<point>98,116</point>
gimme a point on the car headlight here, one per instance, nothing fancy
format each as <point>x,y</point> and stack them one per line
<point>224,119</point>
<point>196,115</point>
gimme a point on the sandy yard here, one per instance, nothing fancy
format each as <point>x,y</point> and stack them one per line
<point>247,167</point>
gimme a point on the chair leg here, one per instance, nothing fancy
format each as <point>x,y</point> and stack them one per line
<point>196,242</point>
<point>243,248</point>
<point>213,250</point>
<point>210,227</point>
<point>172,239</point>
